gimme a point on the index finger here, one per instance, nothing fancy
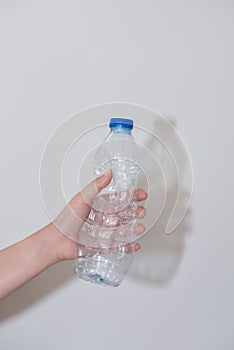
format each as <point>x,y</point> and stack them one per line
<point>139,195</point>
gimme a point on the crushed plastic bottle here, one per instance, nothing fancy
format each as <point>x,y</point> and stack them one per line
<point>106,250</point>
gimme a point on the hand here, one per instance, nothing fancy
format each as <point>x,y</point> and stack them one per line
<point>69,221</point>
<point>55,242</point>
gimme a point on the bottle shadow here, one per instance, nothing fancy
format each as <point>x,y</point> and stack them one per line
<point>35,290</point>
<point>161,253</point>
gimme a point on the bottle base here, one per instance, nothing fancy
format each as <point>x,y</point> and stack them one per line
<point>96,278</point>
<point>101,270</point>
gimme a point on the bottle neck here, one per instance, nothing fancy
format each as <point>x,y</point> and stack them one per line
<point>121,130</point>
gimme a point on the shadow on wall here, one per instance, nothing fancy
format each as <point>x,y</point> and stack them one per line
<point>161,253</point>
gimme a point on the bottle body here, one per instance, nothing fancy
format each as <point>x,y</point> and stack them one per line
<point>106,252</point>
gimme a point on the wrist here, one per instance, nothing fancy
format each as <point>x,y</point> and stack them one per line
<point>57,245</point>
<point>48,245</point>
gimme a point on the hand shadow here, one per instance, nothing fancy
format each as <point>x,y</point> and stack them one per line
<point>35,290</point>
<point>161,253</point>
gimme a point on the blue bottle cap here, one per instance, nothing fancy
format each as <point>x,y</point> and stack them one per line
<point>125,123</point>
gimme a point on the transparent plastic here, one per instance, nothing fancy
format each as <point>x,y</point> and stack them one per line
<point>104,266</point>
<point>106,250</point>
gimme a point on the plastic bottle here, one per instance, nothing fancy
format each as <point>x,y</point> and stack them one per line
<point>106,251</point>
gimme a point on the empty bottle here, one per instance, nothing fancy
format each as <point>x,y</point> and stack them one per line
<point>106,250</point>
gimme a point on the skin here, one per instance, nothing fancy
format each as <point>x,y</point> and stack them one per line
<point>24,260</point>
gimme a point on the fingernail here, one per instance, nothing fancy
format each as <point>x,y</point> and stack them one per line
<point>107,173</point>
<point>104,176</point>
<point>102,179</point>
<point>137,247</point>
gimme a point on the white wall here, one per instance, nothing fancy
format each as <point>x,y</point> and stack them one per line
<point>173,56</point>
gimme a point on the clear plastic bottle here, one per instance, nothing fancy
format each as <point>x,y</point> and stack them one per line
<point>106,251</point>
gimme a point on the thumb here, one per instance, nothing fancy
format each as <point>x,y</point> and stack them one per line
<point>82,201</point>
<point>72,216</point>
<point>91,190</point>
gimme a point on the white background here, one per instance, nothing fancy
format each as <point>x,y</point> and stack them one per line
<point>175,57</point>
